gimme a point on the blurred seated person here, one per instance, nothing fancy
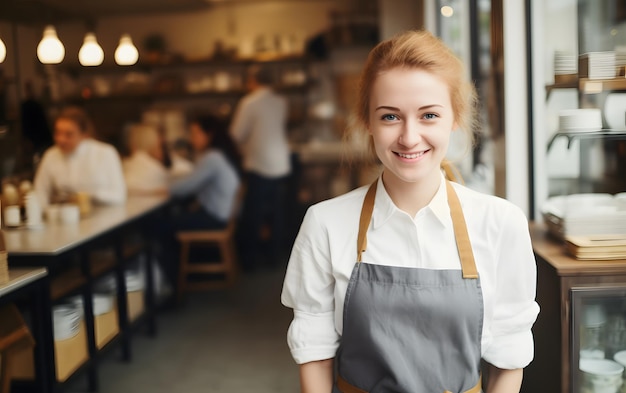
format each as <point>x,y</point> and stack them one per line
<point>78,163</point>
<point>146,170</point>
<point>215,179</point>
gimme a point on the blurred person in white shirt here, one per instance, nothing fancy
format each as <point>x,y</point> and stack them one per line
<point>79,163</point>
<point>150,169</point>
<point>259,127</point>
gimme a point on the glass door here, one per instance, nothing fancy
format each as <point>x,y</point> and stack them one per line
<point>598,339</point>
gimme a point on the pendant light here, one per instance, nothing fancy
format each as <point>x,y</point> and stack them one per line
<point>3,51</point>
<point>126,53</point>
<point>90,54</point>
<point>50,49</point>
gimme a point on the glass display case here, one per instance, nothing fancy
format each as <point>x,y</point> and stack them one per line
<point>598,339</point>
<point>579,56</point>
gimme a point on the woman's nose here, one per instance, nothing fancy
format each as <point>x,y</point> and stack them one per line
<point>410,135</point>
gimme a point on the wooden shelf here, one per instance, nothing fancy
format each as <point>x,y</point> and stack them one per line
<point>589,86</point>
<point>593,86</point>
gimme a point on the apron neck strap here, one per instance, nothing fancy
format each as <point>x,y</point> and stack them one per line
<point>468,264</point>
<point>364,222</point>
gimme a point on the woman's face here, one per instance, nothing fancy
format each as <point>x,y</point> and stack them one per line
<point>198,138</point>
<point>67,135</point>
<point>411,119</point>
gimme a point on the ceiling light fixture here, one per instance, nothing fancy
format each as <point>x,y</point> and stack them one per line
<point>50,49</point>
<point>3,51</point>
<point>126,53</point>
<point>90,54</point>
<point>447,11</point>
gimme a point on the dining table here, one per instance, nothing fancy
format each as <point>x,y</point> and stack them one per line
<point>66,250</point>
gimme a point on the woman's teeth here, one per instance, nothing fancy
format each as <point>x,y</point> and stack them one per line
<point>411,156</point>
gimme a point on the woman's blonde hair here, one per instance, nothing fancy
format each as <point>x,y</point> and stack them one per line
<point>417,49</point>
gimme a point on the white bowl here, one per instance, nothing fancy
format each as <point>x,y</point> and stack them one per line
<point>620,357</point>
<point>604,376</point>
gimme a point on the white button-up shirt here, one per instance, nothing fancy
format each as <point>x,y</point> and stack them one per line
<point>93,167</point>
<point>324,255</point>
<point>259,127</point>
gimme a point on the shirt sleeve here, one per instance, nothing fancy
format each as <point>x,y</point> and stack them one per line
<point>309,290</point>
<point>191,184</point>
<point>115,191</point>
<point>242,122</point>
<point>515,309</point>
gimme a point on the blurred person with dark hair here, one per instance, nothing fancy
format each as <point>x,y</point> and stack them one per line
<point>79,163</point>
<point>259,128</point>
<point>214,181</point>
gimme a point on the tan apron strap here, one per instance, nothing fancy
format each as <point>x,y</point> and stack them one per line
<point>345,387</point>
<point>364,222</point>
<point>468,264</point>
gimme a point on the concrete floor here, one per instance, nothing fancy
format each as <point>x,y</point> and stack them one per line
<point>224,341</point>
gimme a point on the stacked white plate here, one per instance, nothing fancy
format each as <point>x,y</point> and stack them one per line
<point>134,282</point>
<point>580,120</point>
<point>600,65</point>
<point>565,63</point>
<point>66,320</point>
<point>585,215</point>
<point>102,303</point>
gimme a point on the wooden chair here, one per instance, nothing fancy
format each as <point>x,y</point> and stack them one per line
<point>224,240</point>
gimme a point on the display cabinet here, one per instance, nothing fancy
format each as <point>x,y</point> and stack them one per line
<point>583,311</point>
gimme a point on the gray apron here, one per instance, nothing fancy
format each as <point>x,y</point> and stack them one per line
<point>411,330</point>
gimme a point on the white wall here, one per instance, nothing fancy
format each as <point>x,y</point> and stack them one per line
<point>515,104</point>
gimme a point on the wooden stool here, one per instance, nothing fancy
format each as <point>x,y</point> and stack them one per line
<point>224,240</point>
<point>14,334</point>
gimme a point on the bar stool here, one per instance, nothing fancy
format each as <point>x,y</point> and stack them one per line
<point>14,334</point>
<point>224,240</point>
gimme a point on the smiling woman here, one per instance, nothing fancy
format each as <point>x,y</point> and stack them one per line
<point>441,277</point>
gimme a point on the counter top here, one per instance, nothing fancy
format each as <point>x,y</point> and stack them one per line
<point>55,238</point>
<point>20,277</point>
<point>553,251</point>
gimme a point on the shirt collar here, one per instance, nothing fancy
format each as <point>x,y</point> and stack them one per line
<point>384,207</point>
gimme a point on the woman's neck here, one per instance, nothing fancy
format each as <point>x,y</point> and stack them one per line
<point>411,197</point>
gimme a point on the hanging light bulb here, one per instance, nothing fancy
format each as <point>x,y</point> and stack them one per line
<point>50,49</point>
<point>90,54</point>
<point>126,53</point>
<point>3,51</point>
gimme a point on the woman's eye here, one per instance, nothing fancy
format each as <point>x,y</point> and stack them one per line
<point>390,117</point>
<point>430,116</point>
